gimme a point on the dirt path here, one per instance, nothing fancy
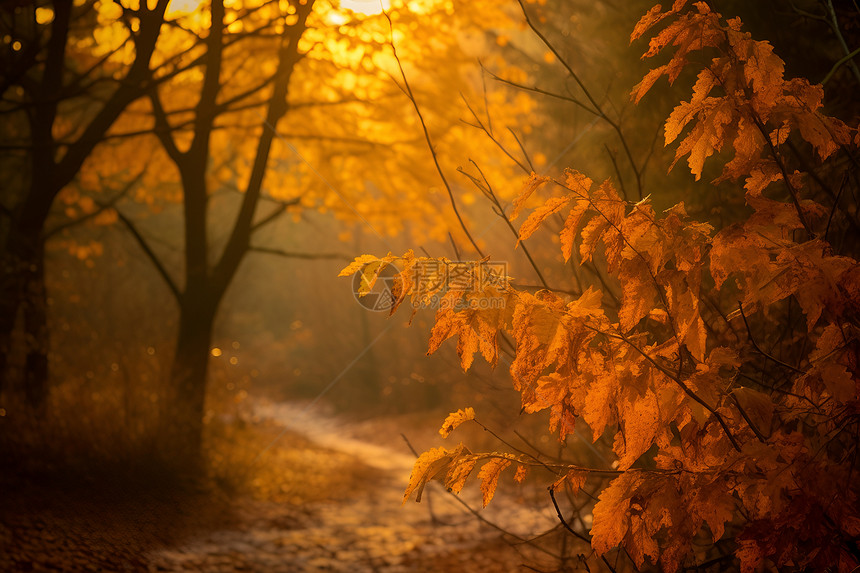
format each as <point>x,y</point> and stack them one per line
<point>368,531</point>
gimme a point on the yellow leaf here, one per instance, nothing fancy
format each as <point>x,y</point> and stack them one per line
<point>577,182</point>
<point>460,470</point>
<point>575,478</point>
<point>534,182</point>
<point>522,471</point>
<point>430,465</point>
<point>357,265</point>
<point>539,215</point>
<point>647,83</point>
<point>571,224</point>
<point>454,419</point>
<point>489,476</point>
<point>611,513</point>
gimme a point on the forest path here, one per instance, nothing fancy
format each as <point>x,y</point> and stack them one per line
<point>369,530</point>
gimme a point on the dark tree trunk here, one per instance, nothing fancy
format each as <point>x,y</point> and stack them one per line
<point>22,292</point>
<point>181,426</point>
<point>36,341</point>
<point>181,423</point>
<point>22,284</point>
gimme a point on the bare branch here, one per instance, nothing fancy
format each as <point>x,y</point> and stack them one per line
<point>487,190</point>
<point>480,125</point>
<point>156,262</point>
<point>277,212</point>
<point>540,91</point>
<point>758,348</point>
<point>298,255</point>
<point>613,124</point>
<point>408,91</point>
<point>102,207</point>
<point>163,129</point>
<point>849,54</point>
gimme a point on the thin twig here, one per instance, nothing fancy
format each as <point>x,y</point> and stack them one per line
<point>838,64</point>
<point>562,520</point>
<point>408,91</point>
<point>835,204</point>
<point>758,348</point>
<point>571,530</point>
<point>749,422</point>
<point>298,255</point>
<point>540,91</point>
<point>838,31</point>
<point>102,207</point>
<point>613,124</point>
<point>487,190</point>
<point>480,125</point>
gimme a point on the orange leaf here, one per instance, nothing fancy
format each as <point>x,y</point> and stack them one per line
<point>430,465</point>
<point>533,184</point>
<point>539,215</point>
<point>454,419</point>
<point>489,476</point>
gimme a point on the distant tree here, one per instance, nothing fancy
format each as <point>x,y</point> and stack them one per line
<point>218,130</point>
<point>58,104</point>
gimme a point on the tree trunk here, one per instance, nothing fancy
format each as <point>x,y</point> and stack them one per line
<point>36,341</point>
<point>12,283</point>
<point>181,421</point>
<point>22,288</point>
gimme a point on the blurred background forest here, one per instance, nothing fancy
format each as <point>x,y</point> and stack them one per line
<point>182,181</point>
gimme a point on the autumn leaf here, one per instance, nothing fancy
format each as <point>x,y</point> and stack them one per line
<point>358,264</point>
<point>571,227</point>
<point>522,471</point>
<point>539,215</point>
<point>455,419</point>
<point>534,182</point>
<point>460,470</point>
<point>489,476</point>
<point>574,479</point>
<point>704,398</point>
<point>611,514</point>
<point>430,465</point>
<point>647,82</point>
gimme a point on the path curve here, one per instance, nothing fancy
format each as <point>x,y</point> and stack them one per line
<point>372,531</point>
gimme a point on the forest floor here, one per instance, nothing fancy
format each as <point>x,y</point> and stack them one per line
<point>338,508</point>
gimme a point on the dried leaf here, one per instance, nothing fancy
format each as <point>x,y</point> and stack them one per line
<point>454,419</point>
<point>489,476</point>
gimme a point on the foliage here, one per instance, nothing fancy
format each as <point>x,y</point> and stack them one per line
<point>343,130</point>
<point>728,378</point>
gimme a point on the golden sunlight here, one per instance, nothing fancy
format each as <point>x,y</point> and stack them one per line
<point>178,7</point>
<point>367,7</point>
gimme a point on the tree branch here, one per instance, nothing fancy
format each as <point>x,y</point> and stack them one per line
<point>615,126</point>
<point>296,255</point>
<point>277,212</point>
<point>758,348</point>
<point>487,190</point>
<point>849,55</point>
<point>408,91</point>
<point>163,130</point>
<point>102,207</point>
<point>156,262</point>
<point>278,105</point>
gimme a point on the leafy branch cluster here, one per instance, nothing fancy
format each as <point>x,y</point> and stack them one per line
<point>731,404</point>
